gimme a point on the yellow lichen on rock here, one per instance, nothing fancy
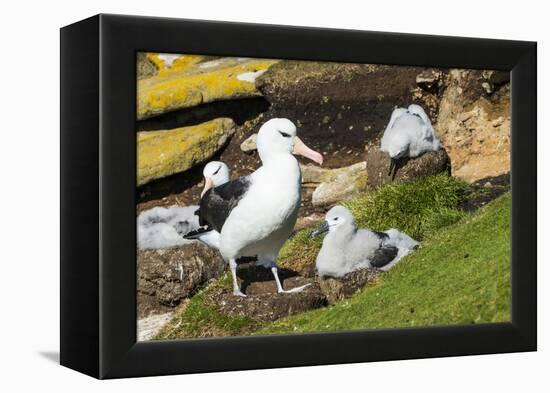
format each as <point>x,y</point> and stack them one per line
<point>203,82</point>
<point>180,62</point>
<point>166,152</point>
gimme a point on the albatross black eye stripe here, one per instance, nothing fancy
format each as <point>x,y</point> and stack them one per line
<point>284,134</point>
<point>217,170</point>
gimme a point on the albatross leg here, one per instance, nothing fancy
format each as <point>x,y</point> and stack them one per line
<point>233,268</point>
<point>280,287</point>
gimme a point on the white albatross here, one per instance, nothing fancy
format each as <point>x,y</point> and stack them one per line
<point>409,134</point>
<point>347,248</point>
<point>255,214</point>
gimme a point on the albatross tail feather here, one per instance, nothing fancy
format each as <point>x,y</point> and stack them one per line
<point>196,234</point>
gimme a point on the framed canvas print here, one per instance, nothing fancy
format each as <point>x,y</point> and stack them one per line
<point>239,196</point>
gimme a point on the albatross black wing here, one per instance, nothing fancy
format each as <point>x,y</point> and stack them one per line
<point>216,205</point>
<point>383,256</point>
<point>381,235</point>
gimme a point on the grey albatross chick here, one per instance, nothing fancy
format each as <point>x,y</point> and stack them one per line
<point>409,134</point>
<point>256,214</point>
<point>347,248</point>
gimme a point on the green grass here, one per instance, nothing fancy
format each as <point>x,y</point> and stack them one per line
<point>418,208</point>
<point>460,275</point>
<point>201,319</point>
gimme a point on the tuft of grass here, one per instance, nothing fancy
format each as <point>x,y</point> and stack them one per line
<point>460,275</point>
<point>200,318</point>
<point>299,251</point>
<point>418,208</point>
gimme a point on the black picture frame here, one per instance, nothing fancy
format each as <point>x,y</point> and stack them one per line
<point>98,196</point>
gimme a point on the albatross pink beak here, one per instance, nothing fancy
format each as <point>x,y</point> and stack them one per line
<point>208,184</point>
<point>301,149</point>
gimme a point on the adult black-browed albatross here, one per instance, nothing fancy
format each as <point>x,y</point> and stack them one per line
<point>255,214</point>
<point>408,134</point>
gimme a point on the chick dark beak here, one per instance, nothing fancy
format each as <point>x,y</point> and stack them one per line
<point>320,230</point>
<point>392,165</point>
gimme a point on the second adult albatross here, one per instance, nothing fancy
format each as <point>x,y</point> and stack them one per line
<point>408,134</point>
<point>255,214</point>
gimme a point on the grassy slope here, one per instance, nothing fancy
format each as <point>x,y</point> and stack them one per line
<point>460,275</point>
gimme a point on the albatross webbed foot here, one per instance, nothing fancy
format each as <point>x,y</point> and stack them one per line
<point>295,290</point>
<point>237,292</point>
<point>280,287</point>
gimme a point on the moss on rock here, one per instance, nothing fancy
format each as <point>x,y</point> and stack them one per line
<point>163,153</point>
<point>199,83</point>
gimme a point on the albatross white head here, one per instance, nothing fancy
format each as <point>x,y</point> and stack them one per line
<point>215,174</point>
<point>277,137</point>
<point>338,219</point>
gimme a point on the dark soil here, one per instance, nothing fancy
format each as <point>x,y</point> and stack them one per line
<point>484,191</point>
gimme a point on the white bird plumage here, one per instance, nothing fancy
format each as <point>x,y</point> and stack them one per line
<point>408,134</point>
<point>347,248</point>
<point>160,227</point>
<point>264,217</point>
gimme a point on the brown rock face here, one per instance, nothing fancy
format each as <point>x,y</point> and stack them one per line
<point>428,164</point>
<point>166,276</point>
<point>336,289</point>
<point>474,123</point>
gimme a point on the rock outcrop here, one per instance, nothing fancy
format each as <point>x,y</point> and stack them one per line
<point>474,123</point>
<point>378,163</point>
<point>149,326</point>
<point>167,276</point>
<point>199,83</point>
<point>166,152</point>
<point>249,143</point>
<point>335,185</point>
